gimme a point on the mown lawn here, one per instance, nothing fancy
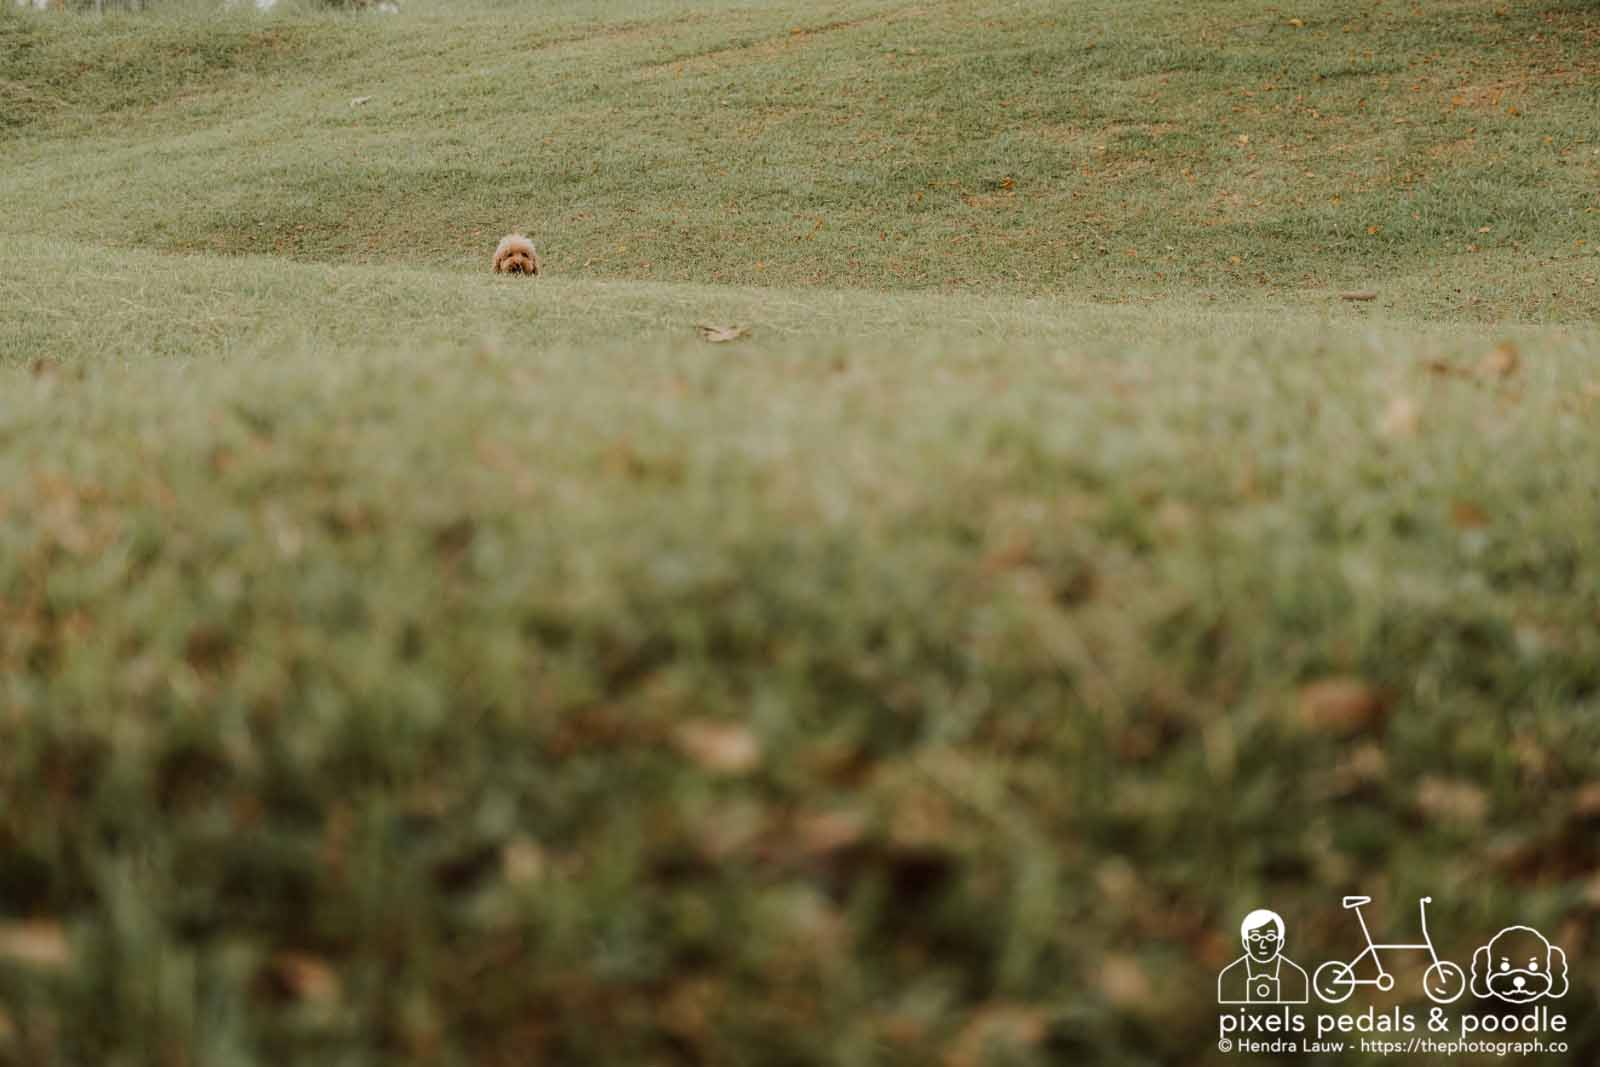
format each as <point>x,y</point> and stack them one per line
<point>1446,154</point>
<point>404,665</point>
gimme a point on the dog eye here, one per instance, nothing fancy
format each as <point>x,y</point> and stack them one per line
<point>1505,965</point>
<point>1533,965</point>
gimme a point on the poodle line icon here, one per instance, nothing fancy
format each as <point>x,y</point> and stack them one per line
<point>1518,965</point>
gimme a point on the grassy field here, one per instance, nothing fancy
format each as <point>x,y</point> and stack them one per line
<point>405,665</point>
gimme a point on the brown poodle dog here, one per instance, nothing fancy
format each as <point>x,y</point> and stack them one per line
<point>515,255</point>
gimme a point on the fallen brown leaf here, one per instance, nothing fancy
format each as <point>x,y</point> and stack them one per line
<point>1117,880</point>
<point>1465,515</point>
<point>303,977</point>
<point>1342,706</point>
<point>1445,369</point>
<point>900,1029</point>
<point>1174,517</point>
<point>1400,418</point>
<point>1124,982</point>
<point>522,861</point>
<point>1456,801</point>
<point>1586,801</point>
<point>722,334</point>
<point>922,819</point>
<point>39,943</point>
<point>1359,295</point>
<point>719,747</point>
<point>1365,766</point>
<point>995,1030</point>
<point>1014,551</point>
<point>688,1010</point>
<point>1535,761</point>
<point>825,833</point>
<point>1502,361</point>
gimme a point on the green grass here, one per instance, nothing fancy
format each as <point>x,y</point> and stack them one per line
<point>1098,149</point>
<point>404,665</point>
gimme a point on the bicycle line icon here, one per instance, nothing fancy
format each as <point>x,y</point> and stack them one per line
<point>1334,981</point>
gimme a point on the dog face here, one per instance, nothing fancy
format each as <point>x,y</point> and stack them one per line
<point>516,255</point>
<point>1519,966</point>
<point>516,263</point>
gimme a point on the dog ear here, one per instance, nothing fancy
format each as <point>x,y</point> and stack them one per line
<point>1558,971</point>
<point>1480,970</point>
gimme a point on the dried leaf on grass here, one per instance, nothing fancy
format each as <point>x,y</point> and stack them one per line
<point>1401,418</point>
<point>1117,880</point>
<point>1586,801</point>
<point>1363,767</point>
<point>1124,982</point>
<point>689,1010</point>
<point>722,334</point>
<point>1502,361</point>
<point>39,943</point>
<point>1454,801</point>
<point>1443,368</point>
<point>719,747</point>
<point>1342,706</point>
<point>304,978</point>
<point>1465,515</point>
<point>1359,295</point>
<point>995,1031</point>
<point>824,833</point>
<point>522,861</point>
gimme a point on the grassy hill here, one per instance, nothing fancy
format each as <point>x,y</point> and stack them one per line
<point>1112,150</point>
<point>405,665</point>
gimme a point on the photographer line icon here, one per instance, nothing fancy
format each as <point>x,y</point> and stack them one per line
<point>1334,981</point>
<point>1263,975</point>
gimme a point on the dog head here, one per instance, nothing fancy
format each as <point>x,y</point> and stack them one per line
<point>1518,965</point>
<point>515,255</point>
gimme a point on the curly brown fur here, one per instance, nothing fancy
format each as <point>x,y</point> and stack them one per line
<point>515,255</point>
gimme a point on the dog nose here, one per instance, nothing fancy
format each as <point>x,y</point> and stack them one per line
<point>1519,981</point>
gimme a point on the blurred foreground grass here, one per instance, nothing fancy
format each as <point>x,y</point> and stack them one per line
<point>800,700</point>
